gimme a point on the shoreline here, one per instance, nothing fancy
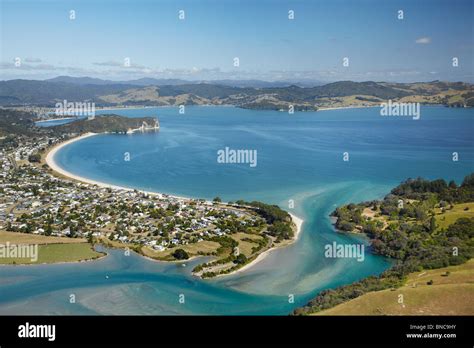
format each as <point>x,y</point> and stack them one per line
<point>157,106</point>
<point>98,258</point>
<point>347,107</point>
<point>101,257</point>
<point>49,160</point>
<point>299,224</point>
<point>56,119</point>
<point>112,108</point>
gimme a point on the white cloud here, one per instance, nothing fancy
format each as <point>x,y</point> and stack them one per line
<point>26,66</point>
<point>113,71</point>
<point>423,40</point>
<point>109,63</point>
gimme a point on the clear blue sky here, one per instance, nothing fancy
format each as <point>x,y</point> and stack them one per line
<point>269,45</point>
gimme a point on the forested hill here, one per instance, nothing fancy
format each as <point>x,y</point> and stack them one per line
<point>412,222</point>
<point>421,224</point>
<point>15,123</point>
<point>107,123</point>
<point>337,94</point>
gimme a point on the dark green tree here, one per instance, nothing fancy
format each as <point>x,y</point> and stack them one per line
<point>180,254</point>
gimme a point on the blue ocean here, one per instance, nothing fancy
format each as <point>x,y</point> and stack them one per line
<point>300,167</point>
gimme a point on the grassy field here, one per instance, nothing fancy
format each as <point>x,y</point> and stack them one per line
<point>192,250</point>
<point>450,216</point>
<point>451,294</point>
<point>54,253</point>
<point>50,249</point>
<point>28,238</point>
<point>245,247</point>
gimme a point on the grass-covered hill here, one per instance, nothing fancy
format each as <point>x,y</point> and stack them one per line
<point>337,94</point>
<point>442,291</point>
<point>421,225</point>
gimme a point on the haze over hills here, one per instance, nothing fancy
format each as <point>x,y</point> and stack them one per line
<point>166,92</point>
<point>149,81</point>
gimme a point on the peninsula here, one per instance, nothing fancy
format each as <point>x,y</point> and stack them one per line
<point>41,199</point>
<point>422,225</point>
<point>109,123</point>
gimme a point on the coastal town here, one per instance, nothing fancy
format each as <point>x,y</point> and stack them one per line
<point>37,200</point>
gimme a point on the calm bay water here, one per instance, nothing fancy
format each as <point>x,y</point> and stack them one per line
<point>299,158</point>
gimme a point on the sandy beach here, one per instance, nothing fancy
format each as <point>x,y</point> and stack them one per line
<point>298,222</point>
<point>49,159</point>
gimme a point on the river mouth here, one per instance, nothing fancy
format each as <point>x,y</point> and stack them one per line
<point>299,159</point>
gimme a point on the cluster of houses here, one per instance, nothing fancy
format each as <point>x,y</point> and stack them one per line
<point>23,151</point>
<point>34,201</point>
<point>5,205</point>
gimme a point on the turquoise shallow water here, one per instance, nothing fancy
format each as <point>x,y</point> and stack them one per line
<point>299,158</point>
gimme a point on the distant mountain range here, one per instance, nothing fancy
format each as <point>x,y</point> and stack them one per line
<point>153,92</point>
<point>148,81</point>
